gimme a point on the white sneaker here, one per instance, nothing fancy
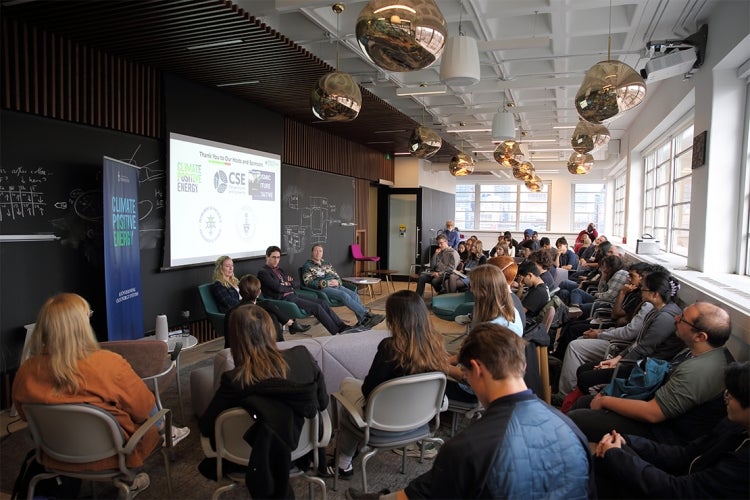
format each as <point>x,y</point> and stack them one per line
<point>414,450</point>
<point>178,434</point>
<point>140,483</point>
<point>463,319</point>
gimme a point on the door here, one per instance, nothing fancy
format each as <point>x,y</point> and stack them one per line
<point>403,232</point>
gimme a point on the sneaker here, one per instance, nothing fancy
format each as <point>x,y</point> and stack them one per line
<point>414,450</point>
<point>574,312</point>
<point>140,483</point>
<point>352,494</point>
<point>372,320</point>
<point>298,328</point>
<point>463,319</point>
<point>178,434</point>
<point>343,473</point>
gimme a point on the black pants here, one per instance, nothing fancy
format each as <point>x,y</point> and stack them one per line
<point>320,310</point>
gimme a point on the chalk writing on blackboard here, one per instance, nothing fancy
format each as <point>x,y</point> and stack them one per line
<point>20,195</point>
<point>315,217</point>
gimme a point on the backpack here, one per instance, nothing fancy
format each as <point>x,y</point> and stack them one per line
<point>55,487</point>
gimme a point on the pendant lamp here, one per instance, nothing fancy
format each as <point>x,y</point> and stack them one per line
<point>508,154</point>
<point>336,96</point>
<point>404,35</point>
<point>579,164</point>
<point>461,164</point>
<point>534,184</point>
<point>460,63</point>
<point>609,88</point>
<point>503,126</point>
<point>424,143</point>
<point>524,171</point>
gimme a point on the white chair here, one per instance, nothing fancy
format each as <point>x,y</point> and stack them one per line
<point>83,433</point>
<point>399,411</point>
<point>463,409</point>
<point>230,428</point>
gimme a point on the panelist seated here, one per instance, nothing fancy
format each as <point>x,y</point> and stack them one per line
<point>442,263</point>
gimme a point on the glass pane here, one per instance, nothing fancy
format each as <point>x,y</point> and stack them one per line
<point>682,190</point>
<point>680,240</point>
<point>662,174</point>
<point>663,153</point>
<point>536,221</point>
<point>684,140</point>
<point>683,164</point>
<point>648,216</point>
<point>649,182</point>
<point>662,195</point>
<point>465,197</point>
<point>660,233</point>
<point>532,207</point>
<point>660,217</point>
<point>681,216</point>
<point>464,188</point>
<point>498,188</point>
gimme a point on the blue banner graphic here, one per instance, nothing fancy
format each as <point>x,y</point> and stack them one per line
<point>122,256</point>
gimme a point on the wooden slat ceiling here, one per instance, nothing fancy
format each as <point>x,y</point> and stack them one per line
<point>158,33</point>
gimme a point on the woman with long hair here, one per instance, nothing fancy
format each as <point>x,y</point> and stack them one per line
<point>257,359</point>
<point>67,366</point>
<point>493,300</point>
<point>456,282</point>
<point>413,347</point>
<point>225,287</point>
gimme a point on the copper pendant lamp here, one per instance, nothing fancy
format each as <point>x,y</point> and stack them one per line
<point>461,164</point>
<point>579,164</point>
<point>336,96</point>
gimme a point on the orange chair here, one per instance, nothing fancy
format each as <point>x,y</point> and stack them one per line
<point>358,257</point>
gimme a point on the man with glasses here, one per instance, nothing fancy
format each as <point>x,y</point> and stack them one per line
<point>690,403</point>
<point>443,262</point>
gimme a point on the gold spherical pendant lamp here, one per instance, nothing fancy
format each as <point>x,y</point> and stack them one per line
<point>508,154</point>
<point>460,165</point>
<point>524,171</point>
<point>407,35</point>
<point>608,89</point>
<point>535,184</point>
<point>579,164</point>
<point>336,96</point>
<point>424,143</point>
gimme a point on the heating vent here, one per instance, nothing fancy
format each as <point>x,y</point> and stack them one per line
<point>726,287</point>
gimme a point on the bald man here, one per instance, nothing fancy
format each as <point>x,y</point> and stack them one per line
<point>690,403</point>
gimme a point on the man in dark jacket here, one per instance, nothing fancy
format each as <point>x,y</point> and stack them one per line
<point>520,448</point>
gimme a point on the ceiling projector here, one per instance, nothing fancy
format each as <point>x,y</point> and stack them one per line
<point>678,62</point>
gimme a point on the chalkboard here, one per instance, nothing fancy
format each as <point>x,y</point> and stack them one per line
<point>316,207</point>
<point>51,178</point>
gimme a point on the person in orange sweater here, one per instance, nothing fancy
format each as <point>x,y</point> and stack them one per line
<point>67,366</point>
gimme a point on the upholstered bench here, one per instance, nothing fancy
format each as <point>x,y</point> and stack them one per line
<point>339,356</point>
<point>449,305</point>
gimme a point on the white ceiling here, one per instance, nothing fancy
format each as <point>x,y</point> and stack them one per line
<point>546,46</point>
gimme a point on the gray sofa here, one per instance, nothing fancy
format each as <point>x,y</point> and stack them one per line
<point>338,356</point>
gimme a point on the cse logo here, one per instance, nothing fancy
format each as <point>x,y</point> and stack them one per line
<point>221,180</point>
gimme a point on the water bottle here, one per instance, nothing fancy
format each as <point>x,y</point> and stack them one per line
<point>185,323</point>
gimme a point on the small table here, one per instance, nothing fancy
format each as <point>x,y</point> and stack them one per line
<point>368,282</point>
<point>383,272</point>
<point>188,342</point>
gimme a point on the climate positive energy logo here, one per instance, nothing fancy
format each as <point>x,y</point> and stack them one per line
<point>209,224</point>
<point>220,181</point>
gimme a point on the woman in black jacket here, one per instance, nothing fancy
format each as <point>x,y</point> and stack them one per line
<point>713,466</point>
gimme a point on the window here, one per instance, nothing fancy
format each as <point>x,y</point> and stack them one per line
<point>619,208</point>
<point>667,185</point>
<point>588,205</point>
<point>501,207</point>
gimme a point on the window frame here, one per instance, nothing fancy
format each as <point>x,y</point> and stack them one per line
<point>521,195</point>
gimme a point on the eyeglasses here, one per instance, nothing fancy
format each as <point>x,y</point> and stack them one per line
<point>727,395</point>
<point>645,290</point>
<point>688,323</point>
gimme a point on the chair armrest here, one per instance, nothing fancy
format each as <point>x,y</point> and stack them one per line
<point>350,286</point>
<point>289,308</point>
<point>325,421</point>
<point>352,410</point>
<point>176,351</point>
<point>310,293</point>
<point>168,369</point>
<point>619,345</point>
<point>206,447</point>
<point>145,426</point>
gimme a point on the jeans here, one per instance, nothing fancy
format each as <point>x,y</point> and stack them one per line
<point>350,298</point>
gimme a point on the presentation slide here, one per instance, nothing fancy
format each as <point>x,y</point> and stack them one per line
<point>223,200</point>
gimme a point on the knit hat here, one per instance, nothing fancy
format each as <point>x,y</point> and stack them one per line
<point>528,232</point>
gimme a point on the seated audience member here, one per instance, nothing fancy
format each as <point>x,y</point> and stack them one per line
<point>613,277</point>
<point>463,254</point>
<point>537,294</point>
<point>585,244</point>
<point>67,366</point>
<point>590,232</point>
<point>535,239</point>
<point>454,282</point>
<point>413,347</point>
<point>320,274</point>
<point>543,262</point>
<point>249,287</point>
<point>546,246</point>
<point>654,337</point>
<point>526,248</point>
<point>512,244</point>
<point>509,268</point>
<point>442,263</point>
<point>686,406</point>
<point>279,388</point>
<point>278,284</point>
<point>565,258</point>
<point>453,234</point>
<point>715,465</point>
<point>520,448</point>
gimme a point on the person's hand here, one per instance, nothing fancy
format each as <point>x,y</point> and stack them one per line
<point>608,363</point>
<point>598,402</point>
<point>591,333</point>
<point>435,274</point>
<point>333,283</point>
<point>609,441</point>
<point>627,288</point>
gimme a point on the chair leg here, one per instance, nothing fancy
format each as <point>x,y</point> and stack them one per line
<point>167,470</point>
<point>365,458</point>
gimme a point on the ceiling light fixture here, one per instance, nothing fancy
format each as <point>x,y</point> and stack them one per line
<point>503,124</point>
<point>460,63</point>
<point>421,90</point>
<point>609,88</point>
<point>461,164</point>
<point>461,129</point>
<point>579,164</point>
<point>564,127</point>
<point>424,142</point>
<point>336,96</point>
<point>211,45</point>
<point>236,84</point>
<point>404,36</point>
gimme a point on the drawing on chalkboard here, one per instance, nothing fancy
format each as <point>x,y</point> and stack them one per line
<point>23,197</point>
<point>315,217</point>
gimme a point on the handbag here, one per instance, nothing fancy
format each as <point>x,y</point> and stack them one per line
<point>647,245</point>
<point>643,381</point>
